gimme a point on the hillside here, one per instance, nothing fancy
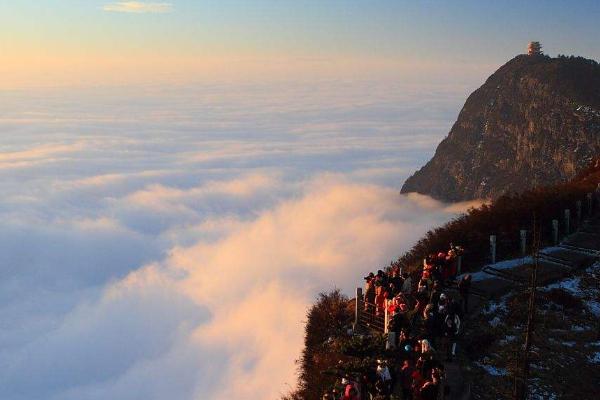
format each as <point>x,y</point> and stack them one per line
<point>335,349</point>
<point>535,121</point>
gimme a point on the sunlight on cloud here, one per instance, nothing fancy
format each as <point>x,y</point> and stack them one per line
<point>176,256</point>
<point>138,7</point>
<point>39,152</point>
<point>233,305</point>
<point>162,197</point>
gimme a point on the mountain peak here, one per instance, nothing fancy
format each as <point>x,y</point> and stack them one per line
<point>535,121</point>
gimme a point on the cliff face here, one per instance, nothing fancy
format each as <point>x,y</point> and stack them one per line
<point>535,121</point>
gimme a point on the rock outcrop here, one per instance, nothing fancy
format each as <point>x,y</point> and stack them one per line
<point>535,121</point>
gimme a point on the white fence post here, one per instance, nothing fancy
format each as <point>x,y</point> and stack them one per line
<point>386,318</point>
<point>567,221</point>
<point>523,233</point>
<point>555,231</point>
<point>493,248</point>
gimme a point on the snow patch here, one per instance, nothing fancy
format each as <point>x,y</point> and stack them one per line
<point>494,307</point>
<point>594,307</point>
<point>490,369</point>
<point>507,339</point>
<point>544,395</point>
<point>595,358</point>
<point>551,249</point>
<point>501,265</point>
<point>579,328</point>
<point>595,267</point>
<point>570,285</point>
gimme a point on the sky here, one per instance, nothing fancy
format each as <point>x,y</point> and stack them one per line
<point>181,179</point>
<point>71,42</point>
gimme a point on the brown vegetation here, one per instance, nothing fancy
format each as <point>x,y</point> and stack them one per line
<point>328,318</point>
<point>504,217</point>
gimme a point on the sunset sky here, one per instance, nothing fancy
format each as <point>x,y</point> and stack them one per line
<point>181,179</point>
<point>93,42</point>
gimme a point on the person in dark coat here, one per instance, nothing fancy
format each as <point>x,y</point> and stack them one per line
<point>451,330</point>
<point>463,288</point>
<point>406,379</point>
<point>431,323</point>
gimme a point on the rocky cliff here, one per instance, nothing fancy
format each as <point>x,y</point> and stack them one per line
<point>535,121</point>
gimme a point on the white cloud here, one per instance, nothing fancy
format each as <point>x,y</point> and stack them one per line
<point>233,306</point>
<point>136,251</point>
<point>138,7</point>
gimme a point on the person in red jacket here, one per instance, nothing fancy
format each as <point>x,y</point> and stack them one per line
<point>380,296</point>
<point>351,391</point>
<point>417,384</point>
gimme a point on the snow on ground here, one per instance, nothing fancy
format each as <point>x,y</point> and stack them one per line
<point>506,264</point>
<point>543,395</point>
<point>517,262</point>
<point>595,358</point>
<point>552,249</point>
<point>594,307</point>
<point>566,331</point>
<point>579,328</point>
<point>570,285</point>
<point>507,339</point>
<point>594,268</point>
<point>495,307</point>
<point>574,286</point>
<point>490,369</point>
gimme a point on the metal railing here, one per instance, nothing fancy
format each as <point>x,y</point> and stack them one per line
<point>377,318</point>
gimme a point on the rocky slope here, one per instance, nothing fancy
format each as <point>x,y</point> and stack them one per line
<point>535,121</point>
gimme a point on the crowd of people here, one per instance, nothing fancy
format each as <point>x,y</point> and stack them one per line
<point>425,310</point>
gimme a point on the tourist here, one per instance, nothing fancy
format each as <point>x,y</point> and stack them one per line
<point>380,297</point>
<point>406,379</point>
<point>407,284</point>
<point>383,373</point>
<point>463,289</point>
<point>451,329</point>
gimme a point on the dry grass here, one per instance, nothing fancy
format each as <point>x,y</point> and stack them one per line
<point>564,343</point>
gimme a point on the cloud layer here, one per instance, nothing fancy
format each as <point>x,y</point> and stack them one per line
<point>166,243</point>
<point>138,7</point>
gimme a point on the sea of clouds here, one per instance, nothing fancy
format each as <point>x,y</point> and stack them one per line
<point>166,242</point>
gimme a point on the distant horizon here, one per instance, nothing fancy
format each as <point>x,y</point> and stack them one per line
<point>104,42</point>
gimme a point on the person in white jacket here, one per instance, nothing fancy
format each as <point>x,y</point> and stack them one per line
<point>451,330</point>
